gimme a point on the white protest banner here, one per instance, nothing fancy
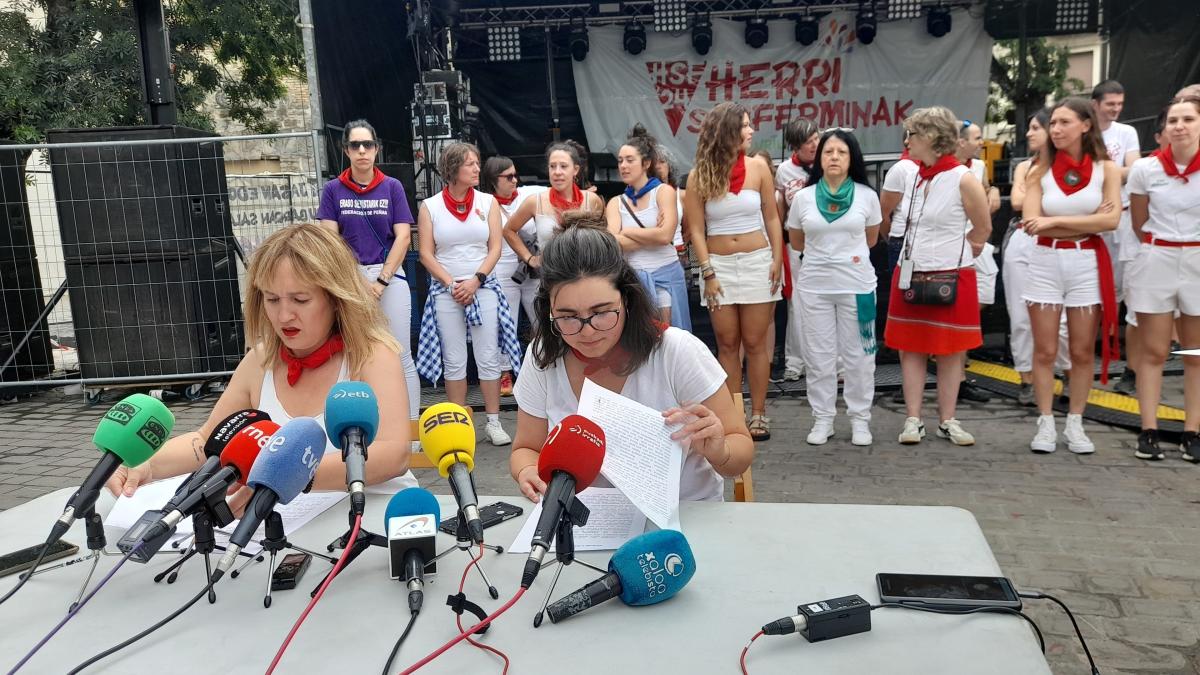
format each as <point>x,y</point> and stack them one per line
<point>836,81</point>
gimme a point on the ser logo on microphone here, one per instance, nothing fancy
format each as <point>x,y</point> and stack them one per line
<point>447,417</point>
<point>122,412</point>
<point>653,571</point>
<point>153,433</point>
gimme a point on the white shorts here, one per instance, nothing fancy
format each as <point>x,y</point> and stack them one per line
<point>745,277</point>
<point>986,272</point>
<point>1164,279</point>
<point>1062,276</point>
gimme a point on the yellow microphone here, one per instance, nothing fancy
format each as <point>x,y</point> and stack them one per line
<point>448,440</point>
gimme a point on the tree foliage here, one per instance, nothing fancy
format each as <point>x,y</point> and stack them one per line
<point>1046,78</point>
<point>79,67</point>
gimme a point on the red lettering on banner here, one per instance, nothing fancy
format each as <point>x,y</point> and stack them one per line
<point>861,115</point>
<point>717,82</point>
<point>750,79</point>
<point>807,110</point>
<point>833,114</point>
<point>695,118</point>
<point>763,113</point>
<point>784,83</point>
<point>675,83</point>
<point>881,114</point>
<point>822,76</point>
<point>900,111</point>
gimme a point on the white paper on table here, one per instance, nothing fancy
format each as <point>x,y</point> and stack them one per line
<point>613,521</point>
<point>295,514</point>
<point>639,456</point>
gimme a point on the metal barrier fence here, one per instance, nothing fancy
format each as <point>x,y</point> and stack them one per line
<point>122,252</point>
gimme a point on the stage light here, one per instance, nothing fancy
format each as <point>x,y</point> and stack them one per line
<point>1072,16</point>
<point>865,24</point>
<point>756,32</point>
<point>504,43</point>
<point>904,9</point>
<point>807,30</point>
<point>670,16</point>
<point>702,35</point>
<point>579,42</point>
<point>635,37</point>
<point>938,21</point>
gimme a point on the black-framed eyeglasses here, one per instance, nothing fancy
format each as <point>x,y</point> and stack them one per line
<point>509,176</point>
<point>571,325</point>
<point>362,145</point>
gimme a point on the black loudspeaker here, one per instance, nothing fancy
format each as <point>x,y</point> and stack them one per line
<point>21,301</point>
<point>161,198</point>
<point>406,174</point>
<point>146,315</point>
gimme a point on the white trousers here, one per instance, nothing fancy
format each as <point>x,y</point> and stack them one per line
<point>1016,271</point>
<point>396,304</point>
<point>485,339</point>
<point>793,352</point>
<point>831,331</point>
<point>519,296</point>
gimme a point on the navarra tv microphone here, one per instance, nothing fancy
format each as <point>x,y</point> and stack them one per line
<point>448,440</point>
<point>351,420</point>
<point>411,521</point>
<point>129,433</point>
<point>569,461</point>
<point>646,570</point>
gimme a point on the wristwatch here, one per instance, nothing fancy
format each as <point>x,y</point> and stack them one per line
<point>481,277</point>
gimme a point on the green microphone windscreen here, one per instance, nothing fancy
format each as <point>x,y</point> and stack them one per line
<point>134,428</point>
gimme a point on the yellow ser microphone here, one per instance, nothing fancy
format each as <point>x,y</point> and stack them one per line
<point>448,440</point>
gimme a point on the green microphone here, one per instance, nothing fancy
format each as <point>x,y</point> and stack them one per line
<point>129,433</point>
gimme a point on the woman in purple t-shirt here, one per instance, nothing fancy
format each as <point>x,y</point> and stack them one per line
<point>370,211</point>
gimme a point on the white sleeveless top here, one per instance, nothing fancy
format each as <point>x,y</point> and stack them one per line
<point>649,258</point>
<point>547,223</point>
<point>937,240</point>
<point>679,228</point>
<point>268,402</point>
<point>507,255</point>
<point>1055,202</point>
<point>734,214</point>
<point>460,246</point>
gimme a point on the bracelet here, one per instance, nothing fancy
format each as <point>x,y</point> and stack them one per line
<point>518,476</point>
<point>728,456</point>
<point>381,281</point>
<point>709,275</point>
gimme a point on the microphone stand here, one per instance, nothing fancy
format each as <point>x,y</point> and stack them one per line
<point>96,542</point>
<point>366,539</point>
<point>274,540</point>
<point>463,542</point>
<point>564,549</point>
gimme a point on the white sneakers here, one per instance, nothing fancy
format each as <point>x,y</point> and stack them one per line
<point>496,434</point>
<point>822,431</point>
<point>1046,439</point>
<point>952,431</point>
<point>914,431</point>
<point>860,432</point>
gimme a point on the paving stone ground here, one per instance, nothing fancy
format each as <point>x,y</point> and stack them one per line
<point>1118,539</point>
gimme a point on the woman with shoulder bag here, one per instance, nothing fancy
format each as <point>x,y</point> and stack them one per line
<point>934,306</point>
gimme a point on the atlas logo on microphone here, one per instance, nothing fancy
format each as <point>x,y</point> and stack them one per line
<point>122,412</point>
<point>447,417</point>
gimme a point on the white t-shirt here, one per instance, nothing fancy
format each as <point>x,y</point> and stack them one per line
<point>460,246</point>
<point>937,242</point>
<point>790,178</point>
<point>507,255</point>
<point>680,371</point>
<point>1174,204</point>
<point>836,256</point>
<point>1120,139</point>
<point>899,179</point>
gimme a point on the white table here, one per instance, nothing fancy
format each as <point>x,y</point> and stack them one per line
<point>755,563</point>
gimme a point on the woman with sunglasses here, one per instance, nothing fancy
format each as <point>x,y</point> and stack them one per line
<point>519,281</point>
<point>644,221</point>
<point>1163,281</point>
<point>1069,201</point>
<point>370,211</point>
<point>738,241</point>
<point>595,321</point>
<point>835,222</point>
<point>563,163</point>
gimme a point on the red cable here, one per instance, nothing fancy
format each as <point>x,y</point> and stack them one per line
<point>747,649</point>
<point>321,591</point>
<point>458,617</point>
<point>459,638</point>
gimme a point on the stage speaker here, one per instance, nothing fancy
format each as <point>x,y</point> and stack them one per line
<point>122,199</point>
<point>21,300</point>
<point>406,174</point>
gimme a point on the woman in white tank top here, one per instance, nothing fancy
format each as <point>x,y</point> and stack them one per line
<point>644,221</point>
<point>1068,203</point>
<point>738,240</point>
<point>562,163</point>
<point>313,323</point>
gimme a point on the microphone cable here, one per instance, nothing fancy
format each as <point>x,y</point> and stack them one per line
<point>25,575</point>
<point>461,636</point>
<point>320,592</point>
<point>973,610</point>
<point>74,608</point>
<point>458,617</point>
<point>746,650</point>
<point>1038,595</point>
<point>387,667</point>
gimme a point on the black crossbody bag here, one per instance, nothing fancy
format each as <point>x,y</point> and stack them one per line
<point>927,288</point>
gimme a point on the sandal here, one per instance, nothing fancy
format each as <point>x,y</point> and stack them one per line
<point>760,427</point>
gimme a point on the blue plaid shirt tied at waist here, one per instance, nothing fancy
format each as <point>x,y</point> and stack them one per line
<point>429,348</point>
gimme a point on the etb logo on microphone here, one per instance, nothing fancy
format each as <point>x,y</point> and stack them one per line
<point>655,573</point>
<point>448,417</point>
<point>122,412</point>
<point>153,432</point>
<point>351,393</point>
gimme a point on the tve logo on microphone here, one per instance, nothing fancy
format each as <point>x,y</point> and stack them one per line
<point>447,417</point>
<point>653,571</point>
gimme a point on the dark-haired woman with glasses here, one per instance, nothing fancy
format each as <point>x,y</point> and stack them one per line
<point>519,281</point>
<point>370,211</point>
<point>595,321</point>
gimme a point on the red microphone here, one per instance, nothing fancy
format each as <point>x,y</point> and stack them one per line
<point>238,457</point>
<point>569,461</point>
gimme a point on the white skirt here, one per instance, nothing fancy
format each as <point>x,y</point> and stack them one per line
<point>745,278</point>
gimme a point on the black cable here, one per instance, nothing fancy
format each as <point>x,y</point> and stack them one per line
<point>26,574</point>
<point>1038,595</point>
<point>387,667</point>
<point>139,636</point>
<point>973,610</point>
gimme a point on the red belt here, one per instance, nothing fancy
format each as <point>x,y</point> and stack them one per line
<point>1110,341</point>
<point>1151,239</point>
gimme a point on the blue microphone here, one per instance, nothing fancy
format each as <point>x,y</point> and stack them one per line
<point>646,570</point>
<point>281,471</point>
<point>351,419</point>
<point>411,522</point>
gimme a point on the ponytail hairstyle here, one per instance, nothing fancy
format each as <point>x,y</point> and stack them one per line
<point>639,139</point>
<point>581,158</point>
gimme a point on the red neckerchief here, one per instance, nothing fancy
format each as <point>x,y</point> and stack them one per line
<point>797,162</point>
<point>1066,169</point>
<point>346,180</point>
<point>943,163</point>
<point>1167,158</point>
<point>615,360</point>
<point>459,209</point>
<point>737,175</point>
<point>563,205</point>
<point>904,155</point>
<point>296,365</point>
<point>505,201</point>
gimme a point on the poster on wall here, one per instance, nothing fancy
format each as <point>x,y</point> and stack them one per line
<point>837,81</point>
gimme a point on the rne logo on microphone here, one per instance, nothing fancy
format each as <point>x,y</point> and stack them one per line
<point>153,432</point>
<point>448,417</point>
<point>258,435</point>
<point>122,412</point>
